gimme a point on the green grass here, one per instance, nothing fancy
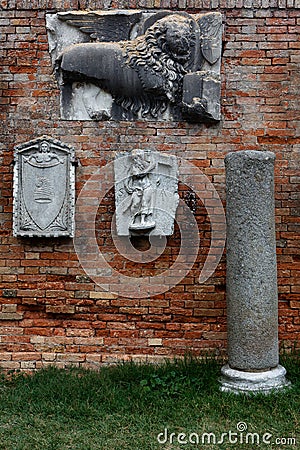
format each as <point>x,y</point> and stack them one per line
<point>127,406</point>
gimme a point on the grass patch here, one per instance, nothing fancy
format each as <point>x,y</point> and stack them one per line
<point>127,406</point>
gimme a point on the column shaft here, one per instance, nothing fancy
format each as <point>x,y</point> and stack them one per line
<point>251,261</point>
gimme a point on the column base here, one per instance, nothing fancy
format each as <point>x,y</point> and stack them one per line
<point>238,381</point>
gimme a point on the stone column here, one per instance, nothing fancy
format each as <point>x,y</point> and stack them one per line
<point>252,300</point>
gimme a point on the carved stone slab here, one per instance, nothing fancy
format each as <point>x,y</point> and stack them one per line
<point>146,192</point>
<point>133,64</point>
<point>44,188</point>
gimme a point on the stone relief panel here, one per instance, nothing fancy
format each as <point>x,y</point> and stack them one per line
<point>146,192</point>
<point>44,188</point>
<point>129,65</point>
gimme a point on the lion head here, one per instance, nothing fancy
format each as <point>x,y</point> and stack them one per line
<point>175,35</point>
<point>165,51</point>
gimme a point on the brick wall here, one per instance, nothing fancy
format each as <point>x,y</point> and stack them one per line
<point>50,310</point>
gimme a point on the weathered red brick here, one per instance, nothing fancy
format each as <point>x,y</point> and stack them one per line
<point>260,92</point>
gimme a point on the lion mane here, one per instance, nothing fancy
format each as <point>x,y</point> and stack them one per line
<point>150,54</point>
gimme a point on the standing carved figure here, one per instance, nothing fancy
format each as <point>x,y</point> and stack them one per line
<point>142,192</point>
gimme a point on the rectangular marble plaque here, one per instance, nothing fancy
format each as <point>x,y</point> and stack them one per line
<point>146,186</point>
<point>44,188</point>
<point>137,65</point>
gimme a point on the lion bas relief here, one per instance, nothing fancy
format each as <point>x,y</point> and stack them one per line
<point>140,78</point>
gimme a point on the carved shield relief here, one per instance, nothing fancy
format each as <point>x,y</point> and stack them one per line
<point>211,37</point>
<point>44,189</point>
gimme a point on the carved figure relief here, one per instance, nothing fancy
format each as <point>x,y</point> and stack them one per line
<point>44,183</point>
<point>142,192</point>
<point>137,65</point>
<point>146,185</point>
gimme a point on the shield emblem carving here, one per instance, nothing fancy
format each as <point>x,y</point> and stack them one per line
<point>211,49</point>
<point>42,198</point>
<point>211,36</point>
<point>44,188</point>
